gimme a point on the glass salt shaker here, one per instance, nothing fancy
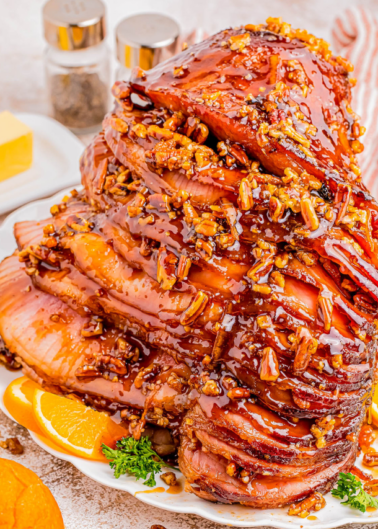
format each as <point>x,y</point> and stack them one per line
<point>77,63</point>
<point>144,40</point>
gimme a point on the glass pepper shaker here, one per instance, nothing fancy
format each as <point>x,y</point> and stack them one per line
<point>144,40</point>
<point>77,63</point>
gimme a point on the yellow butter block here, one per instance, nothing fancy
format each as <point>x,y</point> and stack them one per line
<point>16,146</point>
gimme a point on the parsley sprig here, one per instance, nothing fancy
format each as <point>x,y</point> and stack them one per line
<point>356,497</point>
<point>135,457</point>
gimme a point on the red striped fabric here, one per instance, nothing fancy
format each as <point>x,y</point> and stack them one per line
<point>355,36</point>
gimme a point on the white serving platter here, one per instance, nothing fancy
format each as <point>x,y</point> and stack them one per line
<point>333,515</point>
<point>56,153</point>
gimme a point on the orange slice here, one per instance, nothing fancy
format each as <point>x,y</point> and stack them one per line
<point>374,407</point>
<point>18,398</point>
<point>73,426</point>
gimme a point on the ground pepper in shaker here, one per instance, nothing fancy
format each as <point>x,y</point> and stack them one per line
<point>144,40</point>
<point>77,63</point>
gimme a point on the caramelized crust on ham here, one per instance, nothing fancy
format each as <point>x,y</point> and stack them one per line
<point>254,90</point>
<point>218,274</point>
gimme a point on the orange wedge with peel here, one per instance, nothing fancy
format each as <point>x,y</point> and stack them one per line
<point>73,426</point>
<point>18,398</point>
<point>374,407</point>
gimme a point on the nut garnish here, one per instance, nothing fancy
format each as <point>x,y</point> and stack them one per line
<point>169,478</point>
<point>183,267</point>
<point>305,346</point>
<point>166,265</point>
<point>309,214</point>
<point>269,369</point>
<point>211,388</point>
<point>13,445</point>
<point>245,195</point>
<point>92,328</point>
<point>238,393</point>
<point>315,502</point>
<point>119,125</point>
<point>195,309</point>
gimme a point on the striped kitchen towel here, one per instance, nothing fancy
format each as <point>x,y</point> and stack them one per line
<point>355,36</point>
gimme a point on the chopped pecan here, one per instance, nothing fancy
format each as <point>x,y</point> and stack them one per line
<point>225,240</point>
<point>260,269</point>
<point>111,363</point>
<point>119,125</point>
<point>190,213</point>
<point>371,487</point>
<point>116,188</point>
<point>13,445</point>
<point>342,200</point>
<point>238,393</point>
<point>195,309</point>
<point>175,121</point>
<point>178,198</point>
<point>176,382</point>
<point>206,227</point>
<point>281,260</point>
<point>321,428</point>
<point>264,321</point>
<point>231,469</point>
<point>262,288</point>
<point>307,258</point>
<point>79,224</point>
<point>315,502</point>
<point>121,90</point>
<point>169,478</point>
<point>205,249</point>
<point>92,328</point>
<point>211,388</point>
<point>183,267</point>
<point>229,382</point>
<point>239,42</point>
<point>309,214</point>
<point>166,266</point>
<point>200,133</point>
<point>269,369</point>
<point>371,458</point>
<point>57,208</point>
<point>150,371</point>
<point>306,346</point>
<point>276,209</point>
<point>190,125</point>
<point>231,215</point>
<point>245,195</point>
<point>277,278</point>
<point>238,153</point>
<point>325,304</point>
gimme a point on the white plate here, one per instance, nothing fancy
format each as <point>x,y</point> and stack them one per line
<point>56,153</point>
<point>333,515</point>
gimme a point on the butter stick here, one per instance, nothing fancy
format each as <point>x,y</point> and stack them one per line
<point>16,146</point>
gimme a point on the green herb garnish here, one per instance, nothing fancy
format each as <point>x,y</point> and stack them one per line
<point>356,497</point>
<point>136,458</point>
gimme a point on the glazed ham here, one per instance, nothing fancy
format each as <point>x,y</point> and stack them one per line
<point>218,275</point>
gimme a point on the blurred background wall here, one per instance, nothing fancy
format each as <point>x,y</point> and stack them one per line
<point>22,44</point>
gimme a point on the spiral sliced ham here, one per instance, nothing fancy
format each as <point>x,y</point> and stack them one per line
<point>218,274</point>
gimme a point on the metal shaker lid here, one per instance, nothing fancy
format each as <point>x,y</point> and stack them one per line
<point>74,24</point>
<point>145,40</point>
